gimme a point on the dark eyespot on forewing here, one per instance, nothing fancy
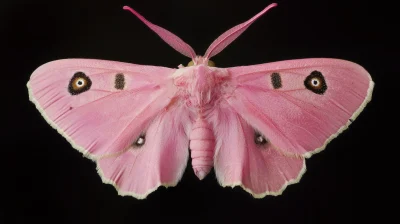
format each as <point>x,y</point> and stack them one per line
<point>119,81</point>
<point>315,82</point>
<point>276,80</point>
<point>79,83</point>
<point>140,141</point>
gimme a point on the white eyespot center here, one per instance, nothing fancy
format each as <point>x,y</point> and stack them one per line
<point>140,141</point>
<point>260,139</point>
<point>80,82</point>
<point>315,82</point>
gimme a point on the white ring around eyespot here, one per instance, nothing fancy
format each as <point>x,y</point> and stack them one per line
<point>317,80</point>
<point>80,85</point>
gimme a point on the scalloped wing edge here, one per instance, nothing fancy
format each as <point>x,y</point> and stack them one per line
<point>272,193</point>
<point>133,194</point>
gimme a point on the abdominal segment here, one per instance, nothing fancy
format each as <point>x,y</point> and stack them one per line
<point>202,144</point>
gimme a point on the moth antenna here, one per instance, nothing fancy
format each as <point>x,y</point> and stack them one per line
<point>171,39</point>
<point>229,36</point>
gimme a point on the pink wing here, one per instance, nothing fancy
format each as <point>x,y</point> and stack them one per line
<point>121,115</point>
<point>242,161</point>
<point>162,161</point>
<point>100,107</point>
<point>300,105</point>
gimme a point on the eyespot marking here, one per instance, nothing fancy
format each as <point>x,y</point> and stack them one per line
<point>316,83</point>
<point>119,81</point>
<point>276,80</point>
<point>140,141</point>
<point>79,83</point>
<point>260,139</point>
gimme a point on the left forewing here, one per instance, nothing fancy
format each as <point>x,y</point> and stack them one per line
<point>99,106</point>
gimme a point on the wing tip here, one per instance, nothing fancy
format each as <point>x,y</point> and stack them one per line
<point>53,125</point>
<point>353,117</point>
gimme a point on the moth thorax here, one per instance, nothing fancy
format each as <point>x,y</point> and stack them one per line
<point>202,143</point>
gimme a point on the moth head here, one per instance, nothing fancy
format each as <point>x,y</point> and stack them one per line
<point>200,60</point>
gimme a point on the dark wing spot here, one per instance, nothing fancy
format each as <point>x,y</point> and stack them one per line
<point>140,141</point>
<point>259,139</point>
<point>276,80</point>
<point>315,82</point>
<point>119,81</point>
<point>77,86</point>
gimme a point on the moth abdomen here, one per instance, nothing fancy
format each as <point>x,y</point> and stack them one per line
<point>202,143</point>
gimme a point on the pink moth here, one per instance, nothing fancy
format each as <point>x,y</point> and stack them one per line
<point>255,124</point>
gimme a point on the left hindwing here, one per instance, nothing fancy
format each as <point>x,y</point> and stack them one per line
<point>300,105</point>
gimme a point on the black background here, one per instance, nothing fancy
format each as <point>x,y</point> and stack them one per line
<point>46,180</point>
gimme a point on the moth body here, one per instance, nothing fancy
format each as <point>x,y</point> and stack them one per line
<point>201,87</point>
<point>202,143</point>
